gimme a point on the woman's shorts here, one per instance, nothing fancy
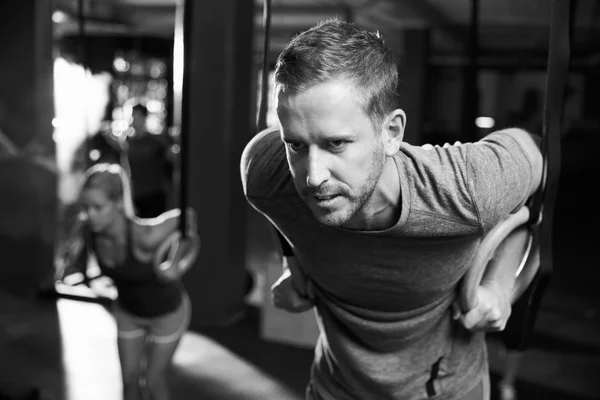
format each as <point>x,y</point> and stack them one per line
<point>165,328</point>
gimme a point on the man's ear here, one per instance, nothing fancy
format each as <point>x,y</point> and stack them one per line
<point>393,131</point>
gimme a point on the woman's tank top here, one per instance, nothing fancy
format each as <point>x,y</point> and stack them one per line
<point>140,291</point>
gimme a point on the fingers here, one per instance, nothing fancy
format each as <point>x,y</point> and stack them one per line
<point>456,311</point>
<point>485,318</point>
<point>291,302</point>
<point>490,313</point>
<point>476,319</point>
<point>286,297</point>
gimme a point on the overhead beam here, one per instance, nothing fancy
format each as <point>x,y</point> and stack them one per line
<point>295,9</point>
<point>436,18</point>
<point>508,62</point>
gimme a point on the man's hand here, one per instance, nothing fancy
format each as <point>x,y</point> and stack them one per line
<point>287,295</point>
<point>491,312</point>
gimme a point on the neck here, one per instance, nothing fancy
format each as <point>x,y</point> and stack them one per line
<point>383,209</point>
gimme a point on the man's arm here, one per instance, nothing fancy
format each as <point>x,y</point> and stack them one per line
<point>496,292</point>
<point>531,146</point>
<point>503,267</point>
<point>262,168</point>
<point>292,291</point>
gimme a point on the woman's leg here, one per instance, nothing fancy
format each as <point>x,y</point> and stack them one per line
<point>130,342</point>
<point>165,336</point>
<point>130,356</point>
<point>159,359</point>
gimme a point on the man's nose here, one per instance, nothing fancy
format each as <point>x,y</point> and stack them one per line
<point>317,171</point>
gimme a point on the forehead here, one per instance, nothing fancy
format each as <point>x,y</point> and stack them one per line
<point>325,103</point>
<point>94,196</point>
<point>335,92</point>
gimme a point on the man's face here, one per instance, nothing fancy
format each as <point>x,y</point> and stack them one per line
<point>334,154</point>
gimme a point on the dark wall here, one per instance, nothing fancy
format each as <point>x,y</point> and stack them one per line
<point>27,187</point>
<point>26,71</point>
<point>27,224</point>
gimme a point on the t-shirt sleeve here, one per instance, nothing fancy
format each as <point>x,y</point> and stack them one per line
<point>500,175</point>
<point>263,167</point>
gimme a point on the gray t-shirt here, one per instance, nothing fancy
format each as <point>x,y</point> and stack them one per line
<point>383,297</point>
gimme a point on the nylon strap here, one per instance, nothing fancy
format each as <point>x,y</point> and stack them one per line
<point>519,329</point>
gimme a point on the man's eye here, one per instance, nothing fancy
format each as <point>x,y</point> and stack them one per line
<point>336,144</point>
<point>294,145</point>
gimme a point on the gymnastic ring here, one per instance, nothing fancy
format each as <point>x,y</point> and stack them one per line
<point>528,267</point>
<point>485,251</point>
<point>175,255</point>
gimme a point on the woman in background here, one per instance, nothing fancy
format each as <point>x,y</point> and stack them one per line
<point>152,310</point>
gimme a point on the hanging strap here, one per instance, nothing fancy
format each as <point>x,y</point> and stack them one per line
<point>556,81</point>
<point>181,85</point>
<point>181,248</point>
<point>519,329</point>
<point>264,87</point>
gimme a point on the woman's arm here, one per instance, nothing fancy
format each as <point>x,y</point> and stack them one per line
<point>156,230</point>
<point>71,255</point>
<point>173,254</point>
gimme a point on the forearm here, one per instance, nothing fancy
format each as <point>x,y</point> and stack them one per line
<point>69,254</point>
<point>501,273</point>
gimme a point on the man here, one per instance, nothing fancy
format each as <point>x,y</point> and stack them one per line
<point>381,231</point>
<point>151,162</point>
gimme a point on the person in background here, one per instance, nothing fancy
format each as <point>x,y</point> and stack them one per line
<point>151,159</point>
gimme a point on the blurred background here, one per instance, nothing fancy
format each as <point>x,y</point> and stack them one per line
<point>73,75</point>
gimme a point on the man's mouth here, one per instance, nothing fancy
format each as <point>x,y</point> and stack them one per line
<point>325,197</point>
<point>325,200</point>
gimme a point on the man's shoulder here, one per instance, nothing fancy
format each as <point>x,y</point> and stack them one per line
<point>266,142</point>
<point>263,165</point>
<point>436,180</point>
<point>437,160</point>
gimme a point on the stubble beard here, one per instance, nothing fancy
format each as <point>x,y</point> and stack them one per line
<point>355,203</point>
